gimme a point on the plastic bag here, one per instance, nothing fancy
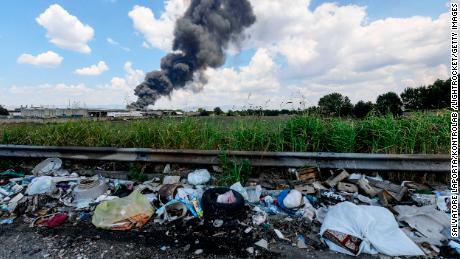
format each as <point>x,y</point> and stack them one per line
<point>227,198</point>
<point>123,213</point>
<point>199,177</point>
<point>41,185</point>
<point>47,167</point>
<point>254,193</point>
<point>293,199</point>
<point>239,188</point>
<point>375,226</point>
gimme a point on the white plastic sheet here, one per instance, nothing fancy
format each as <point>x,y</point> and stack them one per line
<point>376,226</point>
<point>41,185</point>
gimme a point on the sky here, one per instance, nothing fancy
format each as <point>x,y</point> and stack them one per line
<point>93,53</point>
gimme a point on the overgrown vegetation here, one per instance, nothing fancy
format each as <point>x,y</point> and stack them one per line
<point>136,173</point>
<point>233,170</point>
<point>416,133</point>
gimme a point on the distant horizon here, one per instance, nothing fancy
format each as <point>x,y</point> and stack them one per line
<point>359,48</point>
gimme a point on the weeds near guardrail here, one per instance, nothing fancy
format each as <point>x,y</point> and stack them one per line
<point>416,133</point>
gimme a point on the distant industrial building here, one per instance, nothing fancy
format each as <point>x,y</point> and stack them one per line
<point>50,113</point>
<point>45,113</point>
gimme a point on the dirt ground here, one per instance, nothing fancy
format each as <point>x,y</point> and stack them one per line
<point>153,241</point>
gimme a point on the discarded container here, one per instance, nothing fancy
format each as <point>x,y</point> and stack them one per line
<point>254,193</point>
<point>123,213</point>
<point>171,211</point>
<point>305,188</point>
<point>214,210</point>
<point>88,190</point>
<point>395,191</point>
<point>342,175</point>
<point>307,175</point>
<point>41,185</point>
<point>347,187</point>
<point>171,179</point>
<point>199,177</point>
<point>47,167</point>
<point>366,187</point>
<point>167,192</point>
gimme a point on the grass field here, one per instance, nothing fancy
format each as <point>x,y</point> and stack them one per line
<point>416,133</point>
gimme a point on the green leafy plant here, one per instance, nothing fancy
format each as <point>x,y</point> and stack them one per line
<point>233,170</point>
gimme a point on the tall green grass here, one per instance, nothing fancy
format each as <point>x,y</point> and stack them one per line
<point>417,133</point>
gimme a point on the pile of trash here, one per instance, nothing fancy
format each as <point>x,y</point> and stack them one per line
<point>354,213</point>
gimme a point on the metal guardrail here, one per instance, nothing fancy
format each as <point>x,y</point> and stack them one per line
<point>356,161</point>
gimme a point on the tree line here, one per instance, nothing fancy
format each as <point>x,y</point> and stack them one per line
<point>435,96</point>
<point>3,111</point>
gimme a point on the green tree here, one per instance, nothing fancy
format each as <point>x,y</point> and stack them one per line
<point>3,111</point>
<point>218,111</point>
<point>347,107</point>
<point>362,109</point>
<point>389,103</point>
<point>435,96</point>
<point>203,112</point>
<point>439,94</point>
<point>335,104</point>
<point>412,98</point>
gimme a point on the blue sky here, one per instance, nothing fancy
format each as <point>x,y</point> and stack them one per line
<point>20,33</point>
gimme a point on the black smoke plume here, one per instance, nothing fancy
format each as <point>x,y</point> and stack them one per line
<point>200,39</point>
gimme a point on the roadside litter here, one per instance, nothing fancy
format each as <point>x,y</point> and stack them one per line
<point>349,213</point>
<point>123,213</point>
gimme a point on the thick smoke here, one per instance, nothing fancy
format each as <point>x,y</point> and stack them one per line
<point>200,38</point>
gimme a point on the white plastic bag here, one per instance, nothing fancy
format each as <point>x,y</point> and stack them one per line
<point>375,226</point>
<point>239,188</point>
<point>293,199</point>
<point>41,185</point>
<point>199,177</point>
<point>254,193</point>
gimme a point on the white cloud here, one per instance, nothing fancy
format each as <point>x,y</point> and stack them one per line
<point>119,91</point>
<point>300,55</point>
<point>47,59</point>
<point>65,30</point>
<point>112,42</point>
<point>158,32</point>
<point>93,70</point>
<point>127,83</point>
<point>331,48</point>
<point>116,43</point>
